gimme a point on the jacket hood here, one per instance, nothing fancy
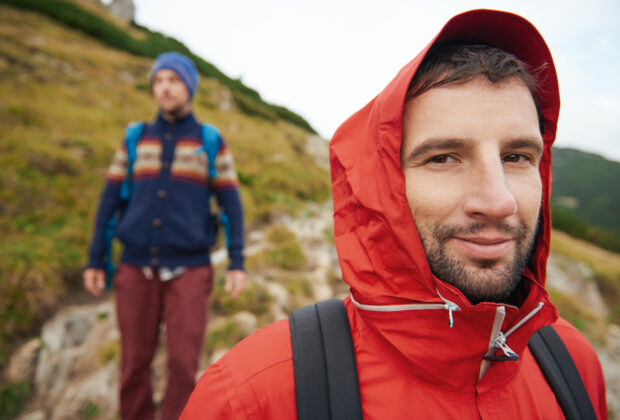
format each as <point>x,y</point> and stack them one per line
<point>380,252</point>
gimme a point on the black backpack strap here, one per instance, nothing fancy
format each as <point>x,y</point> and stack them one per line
<point>561,373</point>
<point>326,382</point>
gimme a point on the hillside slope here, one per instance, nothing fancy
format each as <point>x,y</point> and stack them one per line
<point>65,100</point>
<point>587,184</point>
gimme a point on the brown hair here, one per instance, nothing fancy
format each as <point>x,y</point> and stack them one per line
<point>461,61</point>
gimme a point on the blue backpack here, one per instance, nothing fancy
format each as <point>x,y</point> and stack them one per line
<point>211,142</point>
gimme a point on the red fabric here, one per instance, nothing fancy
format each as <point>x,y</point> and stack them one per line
<point>411,363</point>
<point>142,304</point>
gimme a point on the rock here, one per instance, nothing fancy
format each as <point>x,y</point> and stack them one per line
<point>22,364</point>
<point>610,362</point>
<point>126,77</point>
<point>278,293</point>
<point>226,100</point>
<point>33,415</point>
<point>318,148</point>
<point>123,9</point>
<point>575,278</point>
<point>71,371</point>
<point>216,356</point>
<point>322,291</point>
<point>255,236</point>
<point>246,321</point>
<point>97,390</point>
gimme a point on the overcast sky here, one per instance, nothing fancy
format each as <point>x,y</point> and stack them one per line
<point>325,59</point>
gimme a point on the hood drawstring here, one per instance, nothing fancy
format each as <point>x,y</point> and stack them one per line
<point>500,341</point>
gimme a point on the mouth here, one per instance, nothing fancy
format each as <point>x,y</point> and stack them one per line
<point>483,248</point>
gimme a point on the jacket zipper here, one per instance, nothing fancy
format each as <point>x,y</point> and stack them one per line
<point>498,338</point>
<point>447,305</point>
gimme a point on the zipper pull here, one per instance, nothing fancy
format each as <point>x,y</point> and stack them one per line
<point>500,343</point>
<point>451,307</point>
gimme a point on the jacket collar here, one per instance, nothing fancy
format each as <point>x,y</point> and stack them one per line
<point>181,122</point>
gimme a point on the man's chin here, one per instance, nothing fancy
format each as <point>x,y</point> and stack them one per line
<point>486,281</point>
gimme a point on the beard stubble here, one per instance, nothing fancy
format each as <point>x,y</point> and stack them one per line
<point>480,280</point>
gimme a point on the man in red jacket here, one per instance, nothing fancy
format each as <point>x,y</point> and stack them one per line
<point>441,190</point>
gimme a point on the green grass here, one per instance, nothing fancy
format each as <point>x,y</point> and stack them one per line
<point>153,44</point>
<point>571,310</point>
<point>91,411</point>
<point>300,291</point>
<point>224,336</point>
<point>13,396</point>
<point>605,265</point>
<point>254,298</point>
<point>284,252</point>
<point>109,352</point>
<point>567,220</point>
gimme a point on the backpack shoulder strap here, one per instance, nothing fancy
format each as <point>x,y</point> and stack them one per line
<point>326,381</point>
<point>211,142</point>
<point>561,373</point>
<point>133,132</point>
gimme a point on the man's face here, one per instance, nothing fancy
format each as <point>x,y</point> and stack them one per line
<point>470,157</point>
<point>170,92</point>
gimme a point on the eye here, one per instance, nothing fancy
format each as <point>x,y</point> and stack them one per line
<point>441,159</point>
<point>516,158</point>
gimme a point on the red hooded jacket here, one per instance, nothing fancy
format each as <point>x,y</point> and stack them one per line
<point>412,363</point>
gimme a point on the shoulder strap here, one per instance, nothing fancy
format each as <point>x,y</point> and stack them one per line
<point>211,141</point>
<point>561,373</point>
<point>326,381</point>
<point>132,137</point>
<point>133,132</point>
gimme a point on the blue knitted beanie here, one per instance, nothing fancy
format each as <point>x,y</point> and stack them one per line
<point>181,65</point>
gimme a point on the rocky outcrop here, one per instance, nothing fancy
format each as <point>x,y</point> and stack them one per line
<point>123,9</point>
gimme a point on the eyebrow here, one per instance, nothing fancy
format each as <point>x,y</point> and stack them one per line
<point>439,144</point>
<point>534,143</point>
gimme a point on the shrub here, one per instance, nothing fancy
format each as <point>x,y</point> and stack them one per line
<point>109,351</point>
<point>91,411</point>
<point>254,298</point>
<point>288,256</point>
<point>564,219</point>
<point>287,253</point>
<point>224,336</point>
<point>12,398</point>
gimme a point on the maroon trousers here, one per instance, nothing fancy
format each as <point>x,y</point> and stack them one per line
<point>143,304</point>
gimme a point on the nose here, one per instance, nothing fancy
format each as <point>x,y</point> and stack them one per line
<point>489,197</point>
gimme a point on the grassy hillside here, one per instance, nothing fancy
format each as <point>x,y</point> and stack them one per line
<point>605,265</point>
<point>65,99</point>
<point>92,20</point>
<point>585,187</point>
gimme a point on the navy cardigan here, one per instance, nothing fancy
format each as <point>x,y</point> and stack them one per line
<point>167,221</point>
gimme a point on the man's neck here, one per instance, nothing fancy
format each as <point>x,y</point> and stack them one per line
<point>176,114</point>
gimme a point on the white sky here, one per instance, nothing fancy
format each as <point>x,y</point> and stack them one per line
<point>325,59</point>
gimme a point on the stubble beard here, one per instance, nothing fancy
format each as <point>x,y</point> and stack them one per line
<point>177,112</point>
<point>479,280</point>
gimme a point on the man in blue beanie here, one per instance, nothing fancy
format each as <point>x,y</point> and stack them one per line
<point>166,229</point>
